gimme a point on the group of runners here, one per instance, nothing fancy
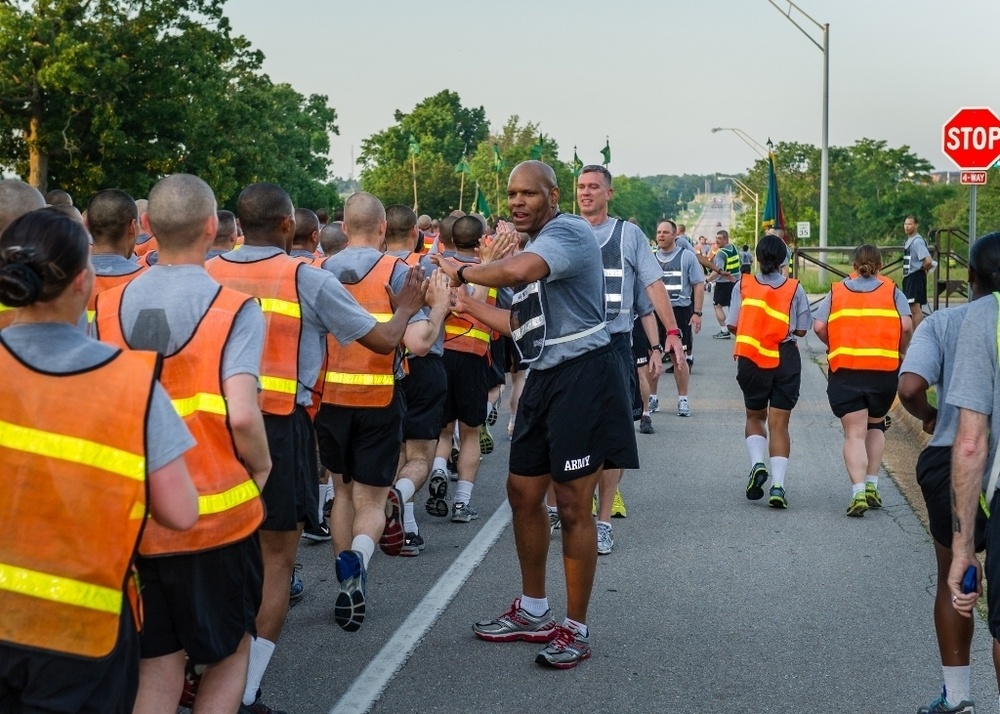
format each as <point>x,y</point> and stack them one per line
<point>377,346</point>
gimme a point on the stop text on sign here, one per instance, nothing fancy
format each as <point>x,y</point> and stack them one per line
<point>972,138</point>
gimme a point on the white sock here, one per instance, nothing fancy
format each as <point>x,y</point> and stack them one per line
<point>857,488</point>
<point>406,489</point>
<point>647,414</point>
<point>260,656</point>
<point>682,397</point>
<point>576,627</point>
<point>957,685</point>
<point>535,606</point>
<point>779,464</point>
<point>364,545</point>
<point>553,509</point>
<point>873,480</point>
<point>463,491</point>
<point>653,396</point>
<point>322,500</point>
<point>756,447</point>
<point>605,523</point>
<point>409,520</point>
<point>440,464</point>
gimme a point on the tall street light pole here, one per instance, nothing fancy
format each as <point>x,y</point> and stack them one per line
<point>824,189</point>
<point>756,205</point>
<point>745,138</point>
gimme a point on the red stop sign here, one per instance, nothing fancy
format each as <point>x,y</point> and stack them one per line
<point>972,138</point>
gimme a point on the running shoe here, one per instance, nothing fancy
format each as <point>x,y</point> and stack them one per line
<point>722,335</point>
<point>327,508</point>
<point>437,488</point>
<point>297,588</point>
<point>192,680</point>
<point>654,404</point>
<point>516,624</point>
<point>493,411</point>
<point>453,460</point>
<point>485,440</point>
<point>605,539</point>
<point>755,486</point>
<point>618,506</point>
<point>413,545</point>
<point>683,408</point>
<point>872,495</point>
<point>887,421</point>
<point>393,535</point>
<point>259,707</point>
<point>690,361</point>
<point>554,522</point>
<point>669,369</point>
<point>317,534</point>
<point>646,425</point>
<point>941,706</point>
<point>463,513</point>
<point>858,505</point>
<point>349,611</point>
<point>776,497</point>
<point>566,650</point>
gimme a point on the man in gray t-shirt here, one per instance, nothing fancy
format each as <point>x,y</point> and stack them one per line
<point>573,417</point>
<point>916,263</point>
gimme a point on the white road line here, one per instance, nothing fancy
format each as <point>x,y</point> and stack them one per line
<point>373,680</point>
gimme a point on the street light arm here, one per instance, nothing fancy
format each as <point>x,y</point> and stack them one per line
<point>788,16</point>
<point>745,138</point>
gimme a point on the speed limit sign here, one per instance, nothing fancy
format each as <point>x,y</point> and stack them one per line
<point>802,229</point>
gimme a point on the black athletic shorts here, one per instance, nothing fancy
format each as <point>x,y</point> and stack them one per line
<point>573,419</point>
<point>992,572</point>
<point>934,478</point>
<point>424,390</point>
<point>621,343</point>
<point>915,288</point>
<point>683,317</point>
<point>640,344</point>
<point>496,375</point>
<point>467,391</point>
<point>851,390</point>
<point>39,682</point>
<point>290,494</point>
<point>723,293</point>
<point>362,443</point>
<point>777,387</point>
<point>202,603</point>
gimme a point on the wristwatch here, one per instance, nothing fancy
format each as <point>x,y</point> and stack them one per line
<point>697,312</point>
<point>656,348</point>
<point>461,278</point>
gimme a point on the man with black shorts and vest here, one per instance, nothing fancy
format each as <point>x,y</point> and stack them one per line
<point>916,263</point>
<point>202,587</point>
<point>563,433</point>
<point>727,263</point>
<point>629,267</point>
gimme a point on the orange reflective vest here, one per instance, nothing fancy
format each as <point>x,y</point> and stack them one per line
<point>764,320</point>
<point>864,328</point>
<point>73,502</point>
<point>144,259</point>
<point>106,282</point>
<point>314,259</point>
<point>142,248</point>
<point>273,282</point>
<point>464,333</point>
<point>229,504</point>
<point>356,376</point>
<point>7,315</point>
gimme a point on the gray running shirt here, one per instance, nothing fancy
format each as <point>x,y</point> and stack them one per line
<point>974,379</point>
<point>800,318</point>
<point>639,270</point>
<point>691,273</point>
<point>326,307</point>
<point>861,285</point>
<point>60,348</point>
<point>914,252</point>
<point>573,296</point>
<point>112,264</point>
<point>684,243</point>
<point>931,355</point>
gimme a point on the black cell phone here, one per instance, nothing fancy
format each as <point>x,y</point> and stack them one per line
<point>969,580</point>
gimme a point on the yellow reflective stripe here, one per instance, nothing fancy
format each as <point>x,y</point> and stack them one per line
<point>90,315</point>
<point>200,402</point>
<point>863,312</point>
<point>4,308</point>
<point>219,502</point>
<point>73,449</point>
<point>777,315</point>
<point>364,380</point>
<point>280,307</point>
<point>470,332</point>
<point>492,292</point>
<point>55,588</point>
<point>746,339</point>
<point>138,511</point>
<point>279,384</point>
<point>863,352</point>
<point>382,316</point>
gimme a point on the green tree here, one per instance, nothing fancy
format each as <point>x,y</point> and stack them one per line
<point>635,198</point>
<point>953,210</point>
<point>118,93</point>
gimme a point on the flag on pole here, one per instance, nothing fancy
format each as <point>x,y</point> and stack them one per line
<point>414,146</point>
<point>606,152</point>
<point>774,216</point>
<point>577,164</point>
<point>481,205</point>
<point>538,149</point>
<point>462,167</point>
<point>498,162</point>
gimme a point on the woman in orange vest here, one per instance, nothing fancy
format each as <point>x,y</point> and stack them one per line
<point>864,321</point>
<point>76,491</point>
<point>768,311</point>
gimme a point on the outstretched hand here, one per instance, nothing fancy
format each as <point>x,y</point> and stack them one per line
<point>448,266</point>
<point>503,244</point>
<point>439,290</point>
<point>410,298</point>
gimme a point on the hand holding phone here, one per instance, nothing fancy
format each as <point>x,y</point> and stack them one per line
<point>969,580</point>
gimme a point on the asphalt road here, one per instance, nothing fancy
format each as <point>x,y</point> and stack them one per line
<point>709,602</point>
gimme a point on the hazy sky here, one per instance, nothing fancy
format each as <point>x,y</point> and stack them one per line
<point>655,76</point>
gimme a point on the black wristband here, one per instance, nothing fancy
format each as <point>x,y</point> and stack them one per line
<point>656,347</point>
<point>696,312</point>
<point>461,278</point>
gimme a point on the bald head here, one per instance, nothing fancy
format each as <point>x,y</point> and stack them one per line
<point>400,221</point>
<point>537,171</point>
<point>58,197</point>
<point>364,218</point>
<point>332,238</point>
<point>261,208</point>
<point>16,199</point>
<point>180,208</point>
<point>111,218</point>
<point>424,222</point>
<point>306,229</point>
